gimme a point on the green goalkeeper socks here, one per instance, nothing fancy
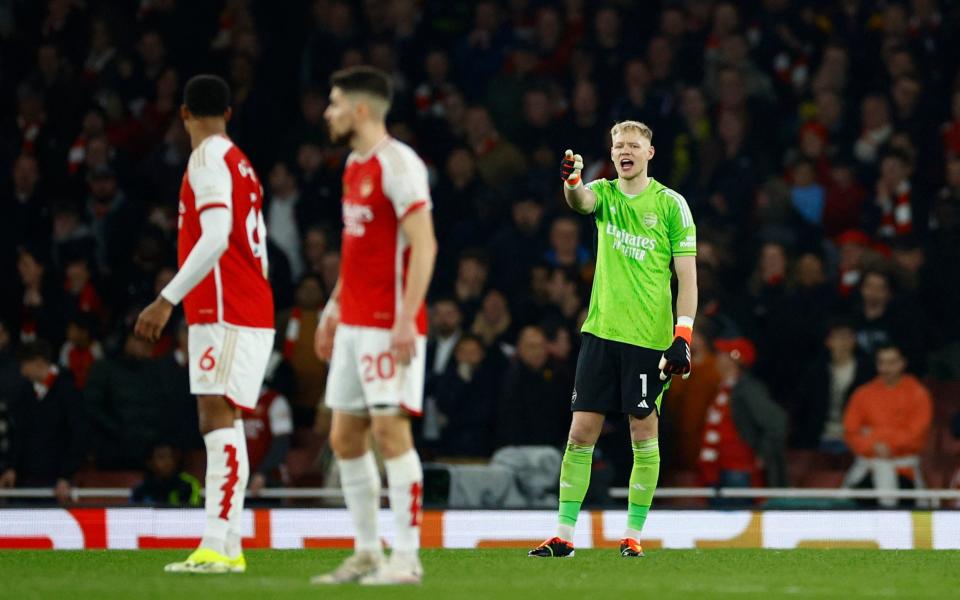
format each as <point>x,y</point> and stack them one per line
<point>643,482</point>
<point>574,480</point>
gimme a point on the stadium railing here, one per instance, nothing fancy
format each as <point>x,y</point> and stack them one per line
<point>615,493</point>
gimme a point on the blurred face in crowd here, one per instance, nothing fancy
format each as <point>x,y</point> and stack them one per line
<point>163,463</point>
<point>565,236</point>
<point>725,19</point>
<point>282,182</point>
<point>536,108</point>
<point>48,61</point>
<point>472,271</point>
<point>875,113</point>
<point>810,271</point>
<point>527,215</point>
<point>906,94</point>
<point>30,269</point>
<point>893,170</point>
<point>890,365</point>
<point>479,125</point>
<point>841,342</point>
<point>731,128</point>
<point>26,175</point>
<point>630,153</point>
<point>312,105</point>
<point>314,245</point>
<point>953,173</point>
<point>829,107</point>
<point>636,74</point>
<point>532,348</point>
<point>803,174</point>
<point>727,367</point>
<point>692,104</point>
<point>309,294</point>
<point>469,351</point>
<point>77,275</point>
<point>773,262</point>
<point>732,91</point>
<point>78,336</point>
<point>446,318</point>
<point>330,268</point>
<point>607,25</point>
<point>98,152</point>
<point>494,308</point>
<point>151,49</point>
<point>548,28</point>
<point>875,291</point>
<point>560,346</point>
<point>103,188</point>
<point>585,99</point>
<point>909,259</point>
<point>540,281</point>
<point>461,167</point>
<point>560,287</point>
<point>4,336</point>
<point>437,66</point>
<point>309,158</point>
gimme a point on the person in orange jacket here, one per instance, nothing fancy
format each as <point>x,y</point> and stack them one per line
<point>886,425</point>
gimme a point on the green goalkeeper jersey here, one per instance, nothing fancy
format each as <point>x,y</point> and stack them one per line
<point>637,236</point>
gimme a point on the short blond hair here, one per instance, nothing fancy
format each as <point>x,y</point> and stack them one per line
<point>632,126</point>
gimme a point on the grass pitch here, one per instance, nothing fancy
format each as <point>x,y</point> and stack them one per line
<point>500,574</point>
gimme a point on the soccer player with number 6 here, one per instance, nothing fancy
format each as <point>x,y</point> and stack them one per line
<point>373,328</point>
<point>228,303</point>
<point>631,345</point>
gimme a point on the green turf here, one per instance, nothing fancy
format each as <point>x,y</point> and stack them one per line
<point>500,574</point>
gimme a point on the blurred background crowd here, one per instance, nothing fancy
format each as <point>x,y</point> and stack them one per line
<point>817,144</point>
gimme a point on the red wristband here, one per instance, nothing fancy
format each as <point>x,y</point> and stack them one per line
<point>573,182</point>
<point>684,332</point>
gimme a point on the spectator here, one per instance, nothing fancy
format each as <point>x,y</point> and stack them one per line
<point>41,314</point>
<point>115,220</point>
<point>565,248</point>
<point>125,407</point>
<point>892,214</point>
<point>566,297</point>
<point>745,435</point>
<point>82,295</point>
<point>182,423</point>
<point>48,425</point>
<point>533,406</point>
<point>445,331</point>
<point>886,425</point>
<point>818,404</point>
<point>29,212</point>
<point>165,484</point>
<point>685,407</point>
<point>285,216</point>
<point>516,246</point>
<point>843,200</point>
<point>299,327</point>
<point>876,130</point>
<point>493,323</point>
<point>269,431</point>
<point>467,402</point>
<point>807,194</point>
<point>81,349</point>
<point>499,162</point>
<point>14,391</point>
<point>471,282</point>
<point>879,321</point>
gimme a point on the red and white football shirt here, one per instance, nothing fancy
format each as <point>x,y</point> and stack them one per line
<point>379,190</point>
<point>237,291</point>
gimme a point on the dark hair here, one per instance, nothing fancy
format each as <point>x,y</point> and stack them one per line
<point>207,96</point>
<point>85,321</point>
<point>840,321</point>
<point>471,337</point>
<point>889,346</point>
<point>363,79</point>
<point>38,349</point>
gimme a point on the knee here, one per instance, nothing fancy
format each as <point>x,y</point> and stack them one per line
<point>643,429</point>
<point>390,439</point>
<point>346,445</point>
<point>214,412</point>
<point>583,434</point>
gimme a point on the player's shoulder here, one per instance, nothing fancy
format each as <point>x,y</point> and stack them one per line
<point>671,197</point>
<point>399,159</point>
<point>211,152</point>
<point>601,185</point>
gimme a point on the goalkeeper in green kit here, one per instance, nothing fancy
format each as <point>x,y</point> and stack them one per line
<point>631,345</point>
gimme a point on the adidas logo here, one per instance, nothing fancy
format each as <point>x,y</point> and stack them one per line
<point>639,486</point>
<point>643,404</point>
<point>564,484</point>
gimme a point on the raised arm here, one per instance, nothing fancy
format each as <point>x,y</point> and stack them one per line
<point>578,197</point>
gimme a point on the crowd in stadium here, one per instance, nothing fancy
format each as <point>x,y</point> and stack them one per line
<point>817,144</point>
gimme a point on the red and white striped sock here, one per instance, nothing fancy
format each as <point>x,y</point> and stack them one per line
<point>405,484</point>
<point>222,486</point>
<point>234,541</point>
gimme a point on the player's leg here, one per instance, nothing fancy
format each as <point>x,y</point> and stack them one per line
<point>393,392</point>
<point>642,395</point>
<point>359,476</point>
<point>596,391</point>
<point>211,349</point>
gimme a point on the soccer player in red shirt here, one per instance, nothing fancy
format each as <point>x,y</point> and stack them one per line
<point>374,325</point>
<point>222,281</point>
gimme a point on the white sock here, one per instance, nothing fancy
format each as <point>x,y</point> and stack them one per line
<point>405,482</point>
<point>360,481</point>
<point>633,534</point>
<point>223,466</point>
<point>565,532</point>
<point>234,541</point>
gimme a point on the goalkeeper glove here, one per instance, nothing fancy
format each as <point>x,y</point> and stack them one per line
<point>570,168</point>
<point>676,358</point>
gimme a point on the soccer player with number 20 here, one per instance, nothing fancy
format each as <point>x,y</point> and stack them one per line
<point>631,345</point>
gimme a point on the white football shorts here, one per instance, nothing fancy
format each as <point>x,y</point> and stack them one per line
<point>365,378</point>
<point>229,361</point>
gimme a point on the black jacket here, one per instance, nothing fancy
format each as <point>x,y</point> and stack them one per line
<point>49,433</point>
<point>810,401</point>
